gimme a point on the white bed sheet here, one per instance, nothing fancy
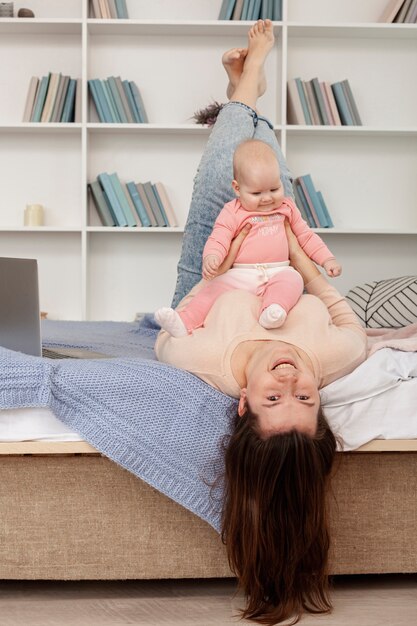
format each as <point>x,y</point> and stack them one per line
<point>33,424</point>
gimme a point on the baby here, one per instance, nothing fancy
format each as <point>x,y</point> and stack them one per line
<point>262,263</point>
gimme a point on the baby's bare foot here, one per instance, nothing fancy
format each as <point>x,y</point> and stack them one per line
<point>233,61</point>
<point>261,41</point>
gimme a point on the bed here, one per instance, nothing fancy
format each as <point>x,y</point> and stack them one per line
<point>101,493</point>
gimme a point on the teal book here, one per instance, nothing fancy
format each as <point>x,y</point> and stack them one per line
<point>154,204</point>
<point>351,102</point>
<point>117,186</point>
<point>161,205</point>
<point>138,101</point>
<point>276,10</point>
<point>256,10</point>
<point>69,104</point>
<point>316,202</point>
<point>100,202</point>
<point>137,203</point>
<point>40,99</point>
<point>121,9</point>
<point>108,118</point>
<point>117,210</point>
<point>305,193</point>
<point>342,105</point>
<point>131,101</point>
<point>247,9</point>
<point>94,94</point>
<point>303,204</point>
<point>226,10</point>
<point>318,94</point>
<point>115,109</point>
<point>266,10</point>
<point>303,100</point>
<point>117,99</point>
<point>325,210</point>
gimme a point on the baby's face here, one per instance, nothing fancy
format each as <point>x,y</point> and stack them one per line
<point>259,187</point>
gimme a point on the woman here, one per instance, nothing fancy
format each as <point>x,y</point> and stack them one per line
<point>279,456</point>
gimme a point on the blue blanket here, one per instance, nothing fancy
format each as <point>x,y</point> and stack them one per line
<point>162,424</point>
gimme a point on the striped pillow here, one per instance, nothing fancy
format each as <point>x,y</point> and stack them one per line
<point>390,303</point>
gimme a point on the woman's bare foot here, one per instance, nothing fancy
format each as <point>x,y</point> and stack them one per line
<point>233,61</point>
<point>261,41</point>
<point>252,81</point>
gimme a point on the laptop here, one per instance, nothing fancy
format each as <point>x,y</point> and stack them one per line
<point>20,325</point>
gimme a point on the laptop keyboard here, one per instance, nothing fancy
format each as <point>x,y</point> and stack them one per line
<point>53,354</point>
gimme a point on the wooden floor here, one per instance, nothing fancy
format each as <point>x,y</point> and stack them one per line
<point>358,601</point>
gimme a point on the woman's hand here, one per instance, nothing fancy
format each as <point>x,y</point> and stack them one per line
<point>298,258</point>
<point>233,250</point>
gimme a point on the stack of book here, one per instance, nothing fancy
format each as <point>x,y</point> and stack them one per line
<point>318,103</point>
<point>53,98</point>
<point>311,203</point>
<point>131,204</point>
<point>251,10</point>
<point>400,12</point>
<point>109,9</point>
<point>117,101</point>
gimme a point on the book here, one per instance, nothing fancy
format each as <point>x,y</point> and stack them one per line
<point>112,9</point>
<point>40,99</point>
<point>131,206</point>
<point>138,204</point>
<point>110,102</point>
<point>312,104</point>
<point>94,94</point>
<point>60,99</point>
<point>327,105</point>
<point>226,9</point>
<point>118,189</point>
<point>121,9</point>
<point>117,210</point>
<point>400,17</point>
<point>276,10</point>
<point>138,101</point>
<point>101,204</point>
<point>237,11</point>
<point>30,99</point>
<point>332,104</point>
<point>154,204</point>
<point>299,203</point>
<point>266,10</point>
<point>314,82</point>
<point>50,97</point>
<point>166,203</point>
<point>303,99</point>
<point>411,16</point>
<point>108,118</point>
<point>342,105</point>
<point>111,80</point>
<point>307,181</point>
<point>351,102</point>
<point>78,102</point>
<point>104,9</point>
<point>124,100</point>
<point>325,210</point>
<point>256,10</point>
<point>69,104</point>
<point>305,194</point>
<point>302,202</point>
<point>132,106</point>
<point>295,109</point>
<point>245,10</point>
<point>115,108</point>
<point>146,204</point>
<point>391,11</point>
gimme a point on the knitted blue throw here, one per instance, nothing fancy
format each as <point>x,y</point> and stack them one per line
<point>162,424</point>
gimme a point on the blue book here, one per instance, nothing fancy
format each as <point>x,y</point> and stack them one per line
<point>69,104</point>
<point>118,189</point>
<point>121,9</point>
<point>130,99</point>
<point>97,102</point>
<point>117,99</point>
<point>342,106</point>
<point>40,99</point>
<point>110,102</point>
<point>115,109</point>
<point>276,10</point>
<point>161,206</point>
<point>117,210</point>
<point>325,210</point>
<point>137,203</point>
<point>256,10</point>
<point>226,10</point>
<point>108,117</point>
<point>315,200</point>
<point>266,10</point>
<point>302,202</point>
<point>247,9</point>
<point>303,101</point>
<point>138,101</point>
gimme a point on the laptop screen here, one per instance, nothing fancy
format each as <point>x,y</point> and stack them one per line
<point>19,305</point>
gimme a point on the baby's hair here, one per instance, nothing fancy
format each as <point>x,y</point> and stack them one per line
<point>249,150</point>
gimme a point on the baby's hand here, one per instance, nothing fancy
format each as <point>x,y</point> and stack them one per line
<point>211,264</point>
<point>333,268</point>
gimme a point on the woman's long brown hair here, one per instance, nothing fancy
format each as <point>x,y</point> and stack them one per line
<point>275,523</point>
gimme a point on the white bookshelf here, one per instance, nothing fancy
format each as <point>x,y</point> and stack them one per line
<point>172,50</point>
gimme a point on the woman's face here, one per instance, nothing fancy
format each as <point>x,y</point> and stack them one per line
<point>281,390</point>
